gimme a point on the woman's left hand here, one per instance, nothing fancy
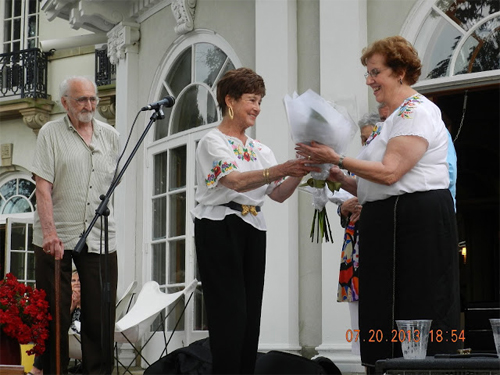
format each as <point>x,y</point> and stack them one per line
<point>317,153</point>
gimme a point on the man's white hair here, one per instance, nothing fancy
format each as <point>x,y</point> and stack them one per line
<point>64,86</point>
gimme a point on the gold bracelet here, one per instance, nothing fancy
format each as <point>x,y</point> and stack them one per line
<point>265,174</point>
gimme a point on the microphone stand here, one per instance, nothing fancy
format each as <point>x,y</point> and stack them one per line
<point>103,211</point>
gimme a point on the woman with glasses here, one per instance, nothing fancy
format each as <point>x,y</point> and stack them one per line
<point>408,235</point>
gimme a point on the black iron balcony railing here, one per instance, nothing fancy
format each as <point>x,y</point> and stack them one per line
<point>23,74</point>
<point>105,72</point>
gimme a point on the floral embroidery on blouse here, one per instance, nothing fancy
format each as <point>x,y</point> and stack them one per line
<point>407,107</point>
<point>218,168</point>
<point>376,131</point>
<point>243,153</point>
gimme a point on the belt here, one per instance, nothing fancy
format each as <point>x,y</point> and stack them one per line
<point>243,208</point>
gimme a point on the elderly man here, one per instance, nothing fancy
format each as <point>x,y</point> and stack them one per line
<point>74,162</point>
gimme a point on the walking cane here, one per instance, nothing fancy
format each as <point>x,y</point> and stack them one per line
<point>57,275</point>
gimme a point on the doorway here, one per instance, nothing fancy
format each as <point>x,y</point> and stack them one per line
<point>473,118</point>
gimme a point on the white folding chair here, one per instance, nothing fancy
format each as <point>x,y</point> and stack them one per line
<point>150,303</point>
<point>75,345</point>
<point>122,305</point>
<point>125,301</point>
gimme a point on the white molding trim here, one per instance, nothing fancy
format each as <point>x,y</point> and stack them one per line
<point>415,19</point>
<point>184,11</point>
<point>142,13</point>
<point>460,81</point>
<point>122,39</point>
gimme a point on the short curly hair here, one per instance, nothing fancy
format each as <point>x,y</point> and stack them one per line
<point>370,118</point>
<point>399,55</point>
<point>237,82</point>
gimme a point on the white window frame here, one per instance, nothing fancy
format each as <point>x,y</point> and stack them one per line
<point>27,221</point>
<point>411,29</point>
<point>189,139</point>
<point>6,221</point>
<point>24,38</point>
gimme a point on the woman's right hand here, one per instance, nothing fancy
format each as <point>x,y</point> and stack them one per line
<point>298,168</point>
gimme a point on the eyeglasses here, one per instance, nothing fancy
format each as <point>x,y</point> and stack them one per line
<point>82,100</point>
<point>374,72</point>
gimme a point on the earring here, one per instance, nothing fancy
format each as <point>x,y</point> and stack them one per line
<point>400,81</point>
<point>231,112</point>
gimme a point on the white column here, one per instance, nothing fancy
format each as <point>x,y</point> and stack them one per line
<point>123,52</point>
<point>276,62</point>
<point>343,27</point>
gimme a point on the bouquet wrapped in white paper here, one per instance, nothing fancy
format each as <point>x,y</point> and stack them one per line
<point>312,118</point>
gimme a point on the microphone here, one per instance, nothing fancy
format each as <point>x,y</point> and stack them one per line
<point>167,101</point>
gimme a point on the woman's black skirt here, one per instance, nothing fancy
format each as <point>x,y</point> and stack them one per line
<point>408,270</point>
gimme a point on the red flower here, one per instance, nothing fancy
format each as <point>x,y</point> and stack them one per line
<point>24,313</point>
<point>246,156</point>
<point>216,171</point>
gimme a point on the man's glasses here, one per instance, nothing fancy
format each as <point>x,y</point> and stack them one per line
<point>82,100</point>
<point>374,73</point>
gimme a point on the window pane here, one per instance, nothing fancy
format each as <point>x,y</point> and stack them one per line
<point>7,31</point>
<point>16,205</point>
<point>196,107</point>
<point>33,8</point>
<point>179,75</point>
<point>177,262</point>
<point>229,66</point>
<point>158,263</point>
<point>467,13</point>
<point>177,219</point>
<point>438,46</point>
<point>31,266</point>
<point>177,168</point>
<point>18,236</point>
<point>160,173</point>
<point>208,63</point>
<point>17,8</point>
<point>32,29</point>
<point>481,50</point>
<point>8,8</point>
<point>8,189</point>
<point>26,187</point>
<point>159,217</point>
<point>17,29</point>
<point>17,264</point>
<point>31,247</point>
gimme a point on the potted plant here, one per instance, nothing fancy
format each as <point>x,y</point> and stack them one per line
<point>24,318</point>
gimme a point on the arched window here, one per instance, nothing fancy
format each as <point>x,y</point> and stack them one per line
<point>17,202</point>
<point>456,36</point>
<point>17,196</point>
<point>189,72</point>
<point>191,81</point>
